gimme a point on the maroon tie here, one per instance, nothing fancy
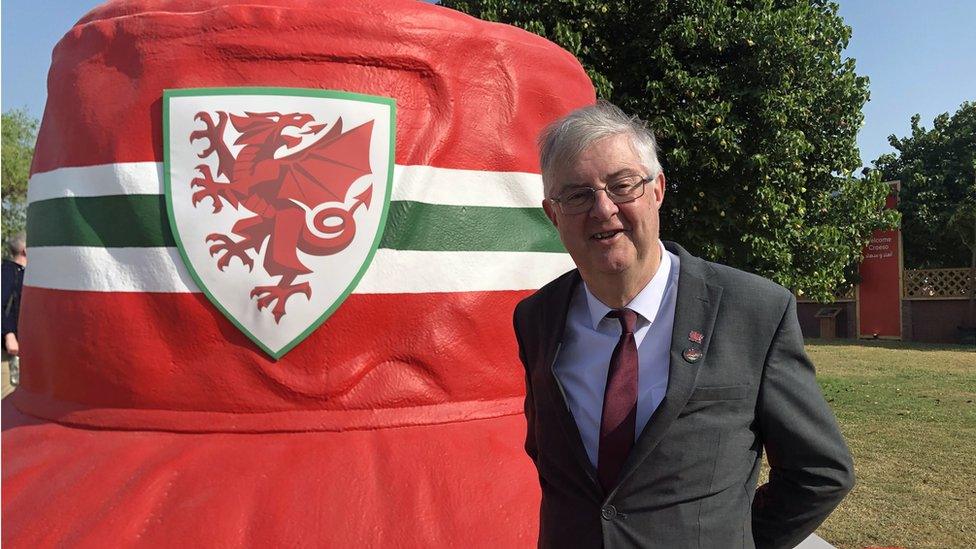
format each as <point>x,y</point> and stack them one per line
<point>619,402</point>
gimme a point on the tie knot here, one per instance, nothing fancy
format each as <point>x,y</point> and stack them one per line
<point>627,317</point>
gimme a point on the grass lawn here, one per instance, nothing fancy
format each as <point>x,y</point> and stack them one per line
<point>908,411</point>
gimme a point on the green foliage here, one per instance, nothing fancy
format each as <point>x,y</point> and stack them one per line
<point>19,132</point>
<point>963,220</point>
<point>937,169</point>
<point>756,113</point>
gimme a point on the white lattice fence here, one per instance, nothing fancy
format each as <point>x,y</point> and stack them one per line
<point>937,283</point>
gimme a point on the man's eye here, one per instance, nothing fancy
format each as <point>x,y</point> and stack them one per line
<point>621,189</point>
<point>578,196</point>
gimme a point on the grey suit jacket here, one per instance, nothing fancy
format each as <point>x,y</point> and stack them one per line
<point>690,480</point>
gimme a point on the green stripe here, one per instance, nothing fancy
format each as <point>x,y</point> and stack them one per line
<point>140,221</point>
<point>118,221</point>
<point>420,226</point>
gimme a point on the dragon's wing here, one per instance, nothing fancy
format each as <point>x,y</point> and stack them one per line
<point>324,171</point>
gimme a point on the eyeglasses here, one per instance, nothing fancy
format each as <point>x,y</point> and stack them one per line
<point>580,199</point>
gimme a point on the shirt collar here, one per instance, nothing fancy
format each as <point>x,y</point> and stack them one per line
<point>646,303</point>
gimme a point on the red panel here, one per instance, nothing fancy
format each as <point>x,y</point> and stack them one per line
<point>879,294</point>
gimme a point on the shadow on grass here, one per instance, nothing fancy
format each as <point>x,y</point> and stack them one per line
<point>889,344</point>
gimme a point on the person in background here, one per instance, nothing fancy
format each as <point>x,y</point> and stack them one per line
<point>13,282</point>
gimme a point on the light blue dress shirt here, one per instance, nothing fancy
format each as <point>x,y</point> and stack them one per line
<point>590,338</point>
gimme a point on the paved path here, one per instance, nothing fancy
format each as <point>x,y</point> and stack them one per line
<point>7,387</point>
<point>814,542</point>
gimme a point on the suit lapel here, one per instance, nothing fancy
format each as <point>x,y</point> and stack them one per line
<point>554,322</point>
<point>695,310</point>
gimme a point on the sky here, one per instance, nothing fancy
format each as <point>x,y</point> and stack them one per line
<point>919,55</point>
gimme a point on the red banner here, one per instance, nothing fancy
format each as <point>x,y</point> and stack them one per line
<point>879,294</point>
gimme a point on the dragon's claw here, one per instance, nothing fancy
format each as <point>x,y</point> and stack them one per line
<point>213,133</point>
<point>206,178</point>
<point>231,250</point>
<point>279,295</point>
<point>200,195</point>
<point>208,133</point>
<point>208,188</point>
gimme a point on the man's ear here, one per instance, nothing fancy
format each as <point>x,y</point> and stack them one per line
<point>550,211</point>
<point>657,189</point>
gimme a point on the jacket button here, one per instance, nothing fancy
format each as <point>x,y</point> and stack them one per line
<point>608,512</point>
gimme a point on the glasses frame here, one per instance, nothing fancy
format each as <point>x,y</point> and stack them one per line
<point>616,199</point>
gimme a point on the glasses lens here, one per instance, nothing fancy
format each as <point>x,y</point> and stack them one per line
<point>576,201</point>
<point>625,192</point>
<point>581,200</point>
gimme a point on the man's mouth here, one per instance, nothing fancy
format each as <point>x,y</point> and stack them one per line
<point>606,234</point>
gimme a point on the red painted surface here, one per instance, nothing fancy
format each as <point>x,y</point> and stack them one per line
<point>178,352</point>
<point>879,294</point>
<point>470,94</point>
<point>457,484</point>
<point>148,419</point>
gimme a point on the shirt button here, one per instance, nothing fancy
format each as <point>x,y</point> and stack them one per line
<point>608,512</point>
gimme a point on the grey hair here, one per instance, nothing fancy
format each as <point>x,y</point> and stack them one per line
<point>16,244</point>
<point>565,139</point>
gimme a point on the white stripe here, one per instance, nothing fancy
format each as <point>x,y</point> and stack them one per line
<point>467,187</point>
<point>400,271</point>
<point>392,271</point>
<point>102,180</point>
<point>417,183</point>
<point>109,269</point>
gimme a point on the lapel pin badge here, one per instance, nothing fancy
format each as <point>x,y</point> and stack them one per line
<point>696,337</point>
<point>692,354</point>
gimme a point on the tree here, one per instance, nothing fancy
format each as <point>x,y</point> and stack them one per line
<point>963,220</point>
<point>19,133</point>
<point>756,113</point>
<point>937,169</point>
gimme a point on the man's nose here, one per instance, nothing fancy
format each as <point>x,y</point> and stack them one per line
<point>603,207</point>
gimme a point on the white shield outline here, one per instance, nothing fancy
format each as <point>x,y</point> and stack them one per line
<point>187,222</point>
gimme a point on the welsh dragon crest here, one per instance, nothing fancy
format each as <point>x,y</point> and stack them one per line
<point>277,199</point>
<point>291,194</point>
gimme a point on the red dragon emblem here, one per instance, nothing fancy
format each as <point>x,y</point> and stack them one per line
<point>292,193</point>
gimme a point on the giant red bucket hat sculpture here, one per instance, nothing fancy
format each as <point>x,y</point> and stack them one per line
<point>245,321</point>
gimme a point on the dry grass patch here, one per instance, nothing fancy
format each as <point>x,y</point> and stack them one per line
<point>909,414</point>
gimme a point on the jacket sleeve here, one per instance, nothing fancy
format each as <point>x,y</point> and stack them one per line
<point>811,469</point>
<point>530,444</point>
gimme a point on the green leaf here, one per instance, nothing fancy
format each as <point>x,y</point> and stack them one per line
<point>17,149</point>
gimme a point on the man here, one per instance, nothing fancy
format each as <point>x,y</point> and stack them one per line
<point>655,379</point>
<point>12,276</point>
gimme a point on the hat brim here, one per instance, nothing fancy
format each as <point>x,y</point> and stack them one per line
<point>418,486</point>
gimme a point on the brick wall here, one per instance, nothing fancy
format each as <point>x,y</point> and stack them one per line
<point>810,325</point>
<point>934,320</point>
<point>928,320</point>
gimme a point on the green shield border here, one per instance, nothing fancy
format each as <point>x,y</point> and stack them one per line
<point>299,92</point>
